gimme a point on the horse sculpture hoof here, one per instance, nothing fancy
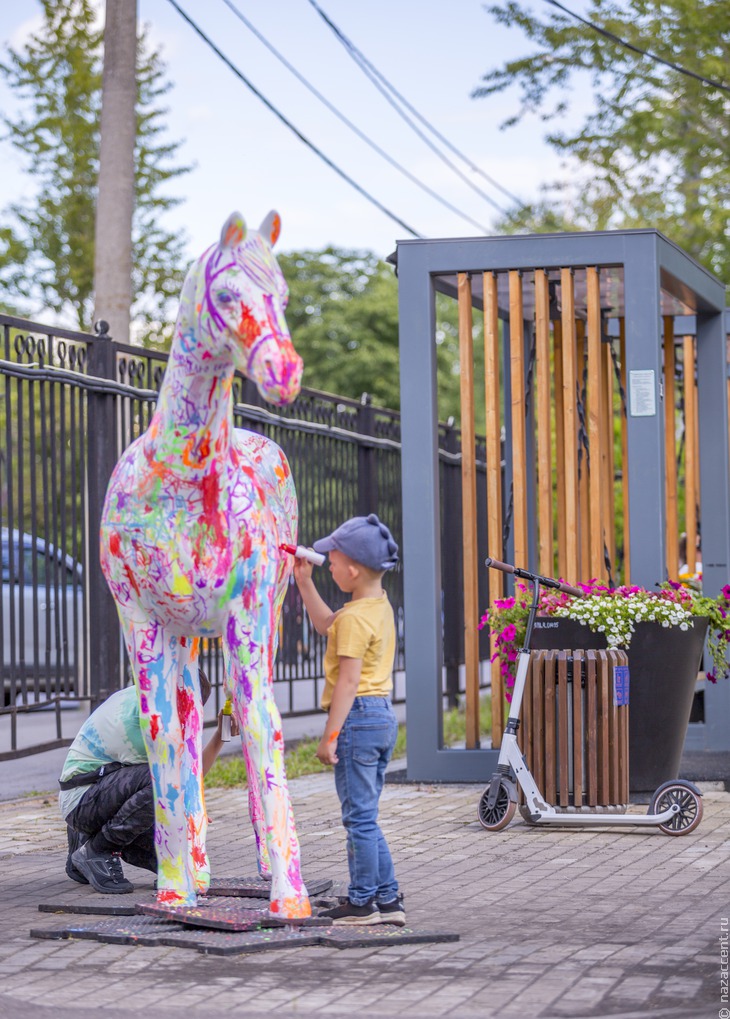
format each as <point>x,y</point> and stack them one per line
<point>171,897</point>
<point>291,908</point>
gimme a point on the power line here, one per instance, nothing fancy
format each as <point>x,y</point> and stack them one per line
<point>377,78</point>
<point>637,49</point>
<point>310,145</point>
<point>345,120</point>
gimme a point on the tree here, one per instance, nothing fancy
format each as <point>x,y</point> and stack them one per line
<point>653,153</point>
<point>343,317</point>
<point>47,253</point>
<point>115,186</point>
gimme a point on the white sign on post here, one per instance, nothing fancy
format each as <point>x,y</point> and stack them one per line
<point>642,394</point>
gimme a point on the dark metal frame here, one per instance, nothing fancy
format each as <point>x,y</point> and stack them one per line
<point>651,265</point>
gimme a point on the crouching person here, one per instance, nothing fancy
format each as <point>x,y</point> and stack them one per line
<point>106,793</point>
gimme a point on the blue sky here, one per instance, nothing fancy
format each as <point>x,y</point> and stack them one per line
<point>433,52</point>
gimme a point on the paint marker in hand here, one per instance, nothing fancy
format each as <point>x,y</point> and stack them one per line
<point>303,553</point>
<point>226,721</point>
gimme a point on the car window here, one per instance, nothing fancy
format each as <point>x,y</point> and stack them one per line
<point>6,564</point>
<point>29,557</point>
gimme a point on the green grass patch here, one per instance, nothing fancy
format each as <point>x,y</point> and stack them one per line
<point>230,772</point>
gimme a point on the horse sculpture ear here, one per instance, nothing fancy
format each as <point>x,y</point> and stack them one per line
<point>234,231</point>
<point>271,227</point>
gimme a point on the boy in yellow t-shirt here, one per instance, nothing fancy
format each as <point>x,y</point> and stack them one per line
<point>361,728</point>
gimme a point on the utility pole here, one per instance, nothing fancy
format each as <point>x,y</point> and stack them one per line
<point>115,203</point>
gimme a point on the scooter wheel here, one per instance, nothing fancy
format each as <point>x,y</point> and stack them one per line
<point>499,816</point>
<point>689,799</point>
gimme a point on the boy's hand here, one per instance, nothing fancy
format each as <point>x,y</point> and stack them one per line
<point>327,751</point>
<point>302,570</point>
<point>235,730</point>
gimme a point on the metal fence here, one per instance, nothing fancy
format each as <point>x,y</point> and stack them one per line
<point>70,403</point>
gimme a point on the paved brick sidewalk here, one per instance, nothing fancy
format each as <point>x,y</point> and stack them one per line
<point>553,923</point>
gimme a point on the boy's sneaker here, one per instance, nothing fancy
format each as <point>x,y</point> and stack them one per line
<point>103,871</point>
<point>393,912</point>
<point>75,839</point>
<point>348,913</point>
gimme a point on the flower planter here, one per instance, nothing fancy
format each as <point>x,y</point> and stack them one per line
<point>663,667</point>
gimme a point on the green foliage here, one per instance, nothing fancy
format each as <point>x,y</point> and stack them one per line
<point>301,759</point>
<point>343,317</point>
<point>47,253</point>
<point>454,722</point>
<point>653,152</point>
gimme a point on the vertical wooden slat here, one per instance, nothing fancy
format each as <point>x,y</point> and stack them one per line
<point>494,480</point>
<point>538,718</point>
<point>562,744</point>
<point>691,476</point>
<point>578,734</point>
<point>469,511</point>
<point>560,446</point>
<point>613,731</point>
<point>517,408</point>
<point>544,432</point>
<point>607,444</point>
<point>584,509</point>
<point>550,730</point>
<point>596,523</point>
<point>670,452</point>
<point>625,455</point>
<point>570,424</point>
<point>603,721</point>
<point>591,728</point>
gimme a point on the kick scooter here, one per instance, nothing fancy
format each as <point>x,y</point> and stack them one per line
<point>675,808</point>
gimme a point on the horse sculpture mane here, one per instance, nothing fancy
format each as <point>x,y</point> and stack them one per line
<point>192,522</point>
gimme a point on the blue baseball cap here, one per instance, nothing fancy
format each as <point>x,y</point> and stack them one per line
<point>365,540</point>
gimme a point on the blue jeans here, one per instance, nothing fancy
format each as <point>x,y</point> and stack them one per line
<point>364,747</point>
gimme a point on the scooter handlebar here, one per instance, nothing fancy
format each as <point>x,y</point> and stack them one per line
<point>558,585</point>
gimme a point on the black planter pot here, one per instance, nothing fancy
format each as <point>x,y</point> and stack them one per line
<point>663,667</point>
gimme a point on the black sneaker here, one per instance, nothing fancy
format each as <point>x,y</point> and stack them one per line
<point>348,913</point>
<point>102,870</point>
<point>75,839</point>
<point>393,912</point>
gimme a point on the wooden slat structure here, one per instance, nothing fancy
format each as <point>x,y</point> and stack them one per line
<point>598,403</point>
<point>469,507</point>
<point>574,736</point>
<point>579,472</point>
<point>574,399</point>
<point>494,477</point>
<point>691,457</point>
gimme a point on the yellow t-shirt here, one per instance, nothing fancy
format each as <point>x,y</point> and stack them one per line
<point>364,629</point>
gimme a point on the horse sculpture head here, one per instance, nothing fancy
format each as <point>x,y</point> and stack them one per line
<point>233,302</point>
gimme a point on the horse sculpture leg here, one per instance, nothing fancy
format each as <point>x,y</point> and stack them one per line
<point>171,719</point>
<point>275,480</point>
<point>249,638</point>
<point>255,809</point>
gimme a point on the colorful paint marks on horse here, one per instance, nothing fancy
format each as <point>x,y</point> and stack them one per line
<point>194,516</point>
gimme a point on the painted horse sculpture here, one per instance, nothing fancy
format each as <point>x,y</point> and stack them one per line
<point>190,533</point>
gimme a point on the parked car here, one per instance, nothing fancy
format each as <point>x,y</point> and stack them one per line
<point>41,614</point>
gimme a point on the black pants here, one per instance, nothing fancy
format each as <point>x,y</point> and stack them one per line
<point>120,806</point>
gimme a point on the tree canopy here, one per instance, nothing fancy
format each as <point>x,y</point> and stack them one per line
<point>653,151</point>
<point>343,317</point>
<point>47,250</point>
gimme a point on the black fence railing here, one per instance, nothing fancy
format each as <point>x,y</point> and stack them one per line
<point>70,403</point>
